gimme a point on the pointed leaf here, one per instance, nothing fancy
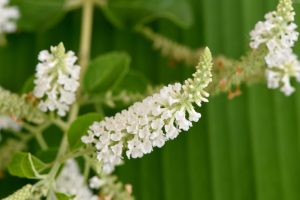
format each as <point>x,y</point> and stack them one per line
<point>80,127</point>
<point>106,71</point>
<point>38,15</point>
<point>25,165</point>
<point>62,196</point>
<point>136,12</point>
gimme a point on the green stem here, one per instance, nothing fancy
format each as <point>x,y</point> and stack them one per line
<point>38,133</point>
<point>86,34</point>
<point>74,113</point>
<point>85,48</point>
<point>40,139</point>
<point>87,168</point>
<point>62,150</point>
<point>60,123</point>
<point>75,154</point>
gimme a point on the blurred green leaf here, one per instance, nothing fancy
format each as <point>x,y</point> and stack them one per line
<point>28,85</point>
<point>106,71</point>
<point>39,15</point>
<point>80,127</point>
<point>136,12</point>
<point>133,82</point>
<point>48,155</point>
<point>25,165</point>
<point>62,196</point>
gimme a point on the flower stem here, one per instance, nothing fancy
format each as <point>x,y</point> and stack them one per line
<point>40,139</point>
<point>85,47</point>
<point>62,150</point>
<point>38,133</point>
<point>86,34</point>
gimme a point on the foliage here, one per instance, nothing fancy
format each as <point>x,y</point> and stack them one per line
<point>89,101</point>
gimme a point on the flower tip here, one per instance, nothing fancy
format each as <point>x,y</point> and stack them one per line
<point>207,53</point>
<point>61,48</point>
<point>205,61</point>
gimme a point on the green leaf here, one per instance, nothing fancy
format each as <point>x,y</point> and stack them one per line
<point>28,85</point>
<point>136,12</point>
<point>25,165</point>
<point>106,71</point>
<point>133,82</point>
<point>48,155</point>
<point>62,196</point>
<point>80,127</point>
<point>39,14</point>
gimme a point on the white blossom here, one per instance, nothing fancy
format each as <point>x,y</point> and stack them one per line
<point>7,123</point>
<point>57,80</point>
<point>96,182</point>
<point>278,33</point>
<point>152,122</point>
<point>8,17</point>
<point>70,181</point>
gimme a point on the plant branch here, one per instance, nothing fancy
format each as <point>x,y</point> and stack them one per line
<point>38,133</point>
<point>86,34</point>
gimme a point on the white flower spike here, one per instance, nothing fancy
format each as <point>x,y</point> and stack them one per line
<point>153,121</point>
<point>71,182</point>
<point>278,33</point>
<point>57,80</point>
<point>8,17</point>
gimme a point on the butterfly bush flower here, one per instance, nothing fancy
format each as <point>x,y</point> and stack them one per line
<point>19,107</point>
<point>24,193</point>
<point>70,181</point>
<point>153,121</point>
<point>110,188</point>
<point>278,33</point>
<point>8,123</point>
<point>8,17</point>
<point>56,80</point>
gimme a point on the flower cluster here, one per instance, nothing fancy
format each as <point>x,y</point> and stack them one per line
<point>8,124</point>
<point>71,182</point>
<point>22,194</point>
<point>111,188</point>
<point>153,121</point>
<point>19,107</point>
<point>56,80</point>
<point>8,17</point>
<point>278,33</point>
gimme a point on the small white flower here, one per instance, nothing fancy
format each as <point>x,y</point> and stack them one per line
<point>70,181</point>
<point>278,33</point>
<point>96,182</point>
<point>152,122</point>
<point>6,123</point>
<point>8,17</point>
<point>57,80</point>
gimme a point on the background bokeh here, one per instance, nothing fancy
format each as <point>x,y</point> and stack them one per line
<point>244,149</point>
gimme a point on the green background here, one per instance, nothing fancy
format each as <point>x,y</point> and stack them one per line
<point>243,149</point>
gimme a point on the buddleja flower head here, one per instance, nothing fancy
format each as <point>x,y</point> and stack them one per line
<point>8,17</point>
<point>19,107</point>
<point>22,194</point>
<point>71,182</point>
<point>7,123</point>
<point>56,80</point>
<point>153,121</point>
<point>278,33</point>
<point>111,188</point>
